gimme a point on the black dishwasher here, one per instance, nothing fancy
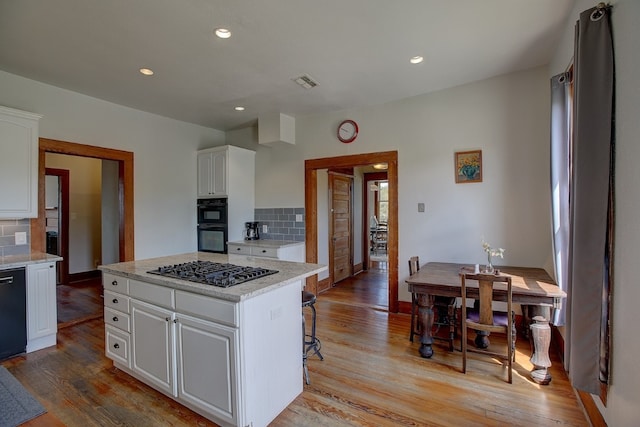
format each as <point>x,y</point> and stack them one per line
<point>13,312</point>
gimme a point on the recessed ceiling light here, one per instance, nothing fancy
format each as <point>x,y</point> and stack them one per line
<point>238,108</point>
<point>223,33</point>
<point>416,59</point>
<point>146,71</point>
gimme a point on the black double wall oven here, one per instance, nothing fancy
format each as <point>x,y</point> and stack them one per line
<point>212,225</point>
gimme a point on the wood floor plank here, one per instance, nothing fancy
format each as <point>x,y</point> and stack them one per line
<point>372,375</point>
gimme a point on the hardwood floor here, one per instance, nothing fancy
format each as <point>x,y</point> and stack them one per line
<point>371,375</point>
<point>79,301</point>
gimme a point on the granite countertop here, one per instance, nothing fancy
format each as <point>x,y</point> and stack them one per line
<point>260,243</point>
<point>287,273</point>
<point>17,261</point>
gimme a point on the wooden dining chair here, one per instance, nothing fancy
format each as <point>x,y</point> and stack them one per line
<point>445,311</point>
<point>484,318</point>
<point>414,266</point>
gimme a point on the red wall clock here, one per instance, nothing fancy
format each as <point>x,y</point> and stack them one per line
<point>347,131</point>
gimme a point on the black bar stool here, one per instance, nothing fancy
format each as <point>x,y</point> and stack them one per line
<point>310,343</point>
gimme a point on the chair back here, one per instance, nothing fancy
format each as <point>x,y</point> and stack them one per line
<point>485,319</point>
<point>488,285</point>
<point>414,265</point>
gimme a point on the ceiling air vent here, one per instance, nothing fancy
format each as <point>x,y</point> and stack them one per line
<point>306,81</point>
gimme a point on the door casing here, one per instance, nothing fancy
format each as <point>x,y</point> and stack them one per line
<point>311,167</point>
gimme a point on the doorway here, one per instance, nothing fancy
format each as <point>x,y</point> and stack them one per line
<point>124,159</point>
<point>311,211</point>
<point>57,219</point>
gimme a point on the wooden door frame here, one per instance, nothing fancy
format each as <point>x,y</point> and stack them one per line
<point>311,168</point>
<point>125,191</point>
<point>331,249</point>
<point>63,221</point>
<point>366,179</point>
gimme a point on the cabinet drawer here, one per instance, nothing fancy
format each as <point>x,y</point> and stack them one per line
<point>116,301</point>
<point>206,307</point>
<point>155,294</point>
<point>264,252</point>
<point>117,345</point>
<point>117,319</point>
<point>239,249</point>
<point>115,283</point>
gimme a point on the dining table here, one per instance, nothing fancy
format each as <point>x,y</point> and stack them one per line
<point>530,287</point>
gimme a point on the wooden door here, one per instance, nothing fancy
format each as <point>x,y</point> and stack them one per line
<point>340,226</point>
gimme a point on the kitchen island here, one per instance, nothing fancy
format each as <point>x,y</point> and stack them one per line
<point>232,354</point>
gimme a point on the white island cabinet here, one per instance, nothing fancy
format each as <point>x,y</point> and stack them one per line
<point>231,354</point>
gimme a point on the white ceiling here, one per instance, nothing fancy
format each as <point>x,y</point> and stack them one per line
<point>357,50</point>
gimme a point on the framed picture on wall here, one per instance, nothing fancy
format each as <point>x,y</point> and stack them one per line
<point>468,166</point>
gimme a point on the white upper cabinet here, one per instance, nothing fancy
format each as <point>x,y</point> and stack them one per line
<point>18,163</point>
<point>212,174</point>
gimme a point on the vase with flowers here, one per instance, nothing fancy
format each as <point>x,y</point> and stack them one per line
<point>491,252</point>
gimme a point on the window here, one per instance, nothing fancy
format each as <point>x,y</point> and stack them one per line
<point>382,207</point>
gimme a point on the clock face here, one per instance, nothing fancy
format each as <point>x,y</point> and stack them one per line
<point>347,131</point>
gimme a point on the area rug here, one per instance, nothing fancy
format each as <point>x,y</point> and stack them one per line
<point>17,405</point>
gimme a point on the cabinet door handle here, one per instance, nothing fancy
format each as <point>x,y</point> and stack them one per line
<point>264,251</point>
<point>115,300</point>
<point>175,320</point>
<point>6,280</point>
<point>115,318</point>
<point>167,319</point>
<point>51,266</point>
<point>238,249</point>
<point>114,283</point>
<point>116,345</point>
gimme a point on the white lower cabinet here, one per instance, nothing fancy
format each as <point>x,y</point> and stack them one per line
<point>42,322</point>
<point>207,366</point>
<point>236,363</point>
<point>152,345</point>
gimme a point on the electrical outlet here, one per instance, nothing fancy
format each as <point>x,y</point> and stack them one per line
<point>420,207</point>
<point>265,228</point>
<point>298,217</point>
<point>21,237</point>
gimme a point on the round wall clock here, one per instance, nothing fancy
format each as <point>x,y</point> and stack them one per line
<point>347,131</point>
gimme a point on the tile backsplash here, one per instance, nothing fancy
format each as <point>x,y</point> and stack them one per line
<point>8,228</point>
<point>281,223</point>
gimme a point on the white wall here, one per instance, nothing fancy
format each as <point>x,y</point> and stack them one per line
<point>507,117</point>
<point>623,408</point>
<point>164,155</point>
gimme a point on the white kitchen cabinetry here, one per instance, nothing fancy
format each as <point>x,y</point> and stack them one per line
<point>229,171</point>
<point>117,319</point>
<point>152,345</point>
<point>42,323</point>
<point>212,174</point>
<point>281,250</point>
<point>237,363</point>
<point>18,164</point>
<point>210,386</point>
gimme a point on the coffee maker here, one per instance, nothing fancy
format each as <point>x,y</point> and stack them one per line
<point>251,231</point>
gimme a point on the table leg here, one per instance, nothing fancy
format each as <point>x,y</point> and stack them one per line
<point>541,336</point>
<point>425,317</point>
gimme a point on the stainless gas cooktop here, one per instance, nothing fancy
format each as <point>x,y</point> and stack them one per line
<point>212,273</point>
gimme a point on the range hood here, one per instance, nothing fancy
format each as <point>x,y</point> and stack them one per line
<point>276,129</point>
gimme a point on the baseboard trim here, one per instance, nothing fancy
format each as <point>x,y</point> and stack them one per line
<point>591,409</point>
<point>84,275</point>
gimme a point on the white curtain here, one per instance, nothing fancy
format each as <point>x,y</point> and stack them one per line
<point>560,167</point>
